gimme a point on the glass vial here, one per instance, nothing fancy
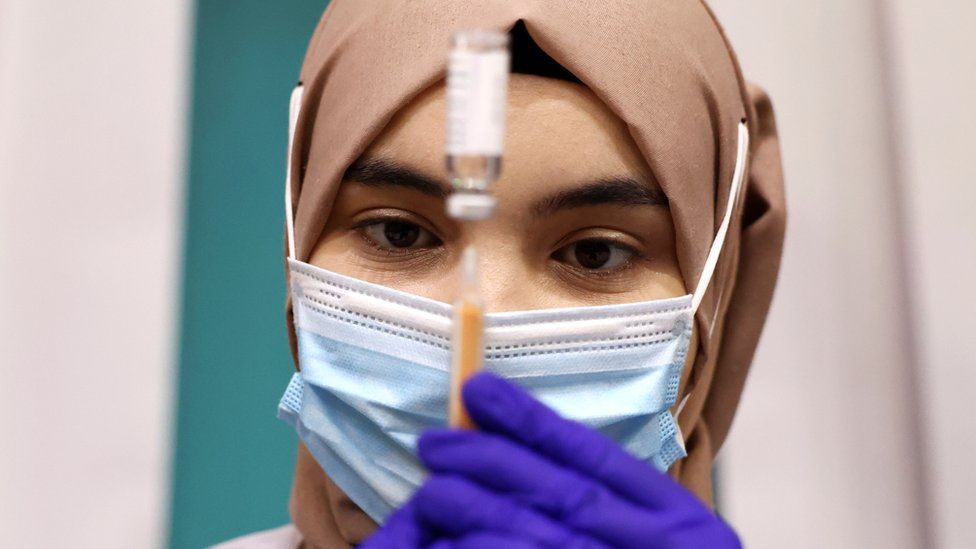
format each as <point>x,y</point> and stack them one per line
<point>477,89</point>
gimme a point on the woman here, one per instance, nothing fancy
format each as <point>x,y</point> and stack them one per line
<point>641,178</point>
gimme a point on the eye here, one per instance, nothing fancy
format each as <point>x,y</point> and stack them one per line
<point>594,255</point>
<point>397,234</point>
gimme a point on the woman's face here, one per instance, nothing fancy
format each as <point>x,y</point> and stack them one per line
<point>580,219</point>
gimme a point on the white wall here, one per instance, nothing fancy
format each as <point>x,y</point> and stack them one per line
<point>935,81</point>
<point>854,429</point>
<point>91,146</point>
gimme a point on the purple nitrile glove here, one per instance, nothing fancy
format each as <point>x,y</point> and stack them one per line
<point>401,529</point>
<point>533,476</point>
<point>405,530</point>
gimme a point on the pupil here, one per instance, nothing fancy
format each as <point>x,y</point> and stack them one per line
<point>592,254</point>
<point>400,234</point>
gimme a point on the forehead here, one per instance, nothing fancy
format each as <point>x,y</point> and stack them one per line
<point>555,131</point>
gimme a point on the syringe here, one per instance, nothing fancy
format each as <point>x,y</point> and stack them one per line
<point>477,89</point>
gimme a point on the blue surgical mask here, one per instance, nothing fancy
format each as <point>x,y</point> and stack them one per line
<point>375,371</point>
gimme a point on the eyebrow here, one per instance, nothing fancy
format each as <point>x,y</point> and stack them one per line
<point>382,172</point>
<point>620,190</point>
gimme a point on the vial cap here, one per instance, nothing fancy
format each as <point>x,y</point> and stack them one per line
<point>470,206</point>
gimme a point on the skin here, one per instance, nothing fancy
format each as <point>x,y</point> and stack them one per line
<point>559,137</point>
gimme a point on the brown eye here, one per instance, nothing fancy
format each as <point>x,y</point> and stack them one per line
<point>399,235</point>
<point>593,255</point>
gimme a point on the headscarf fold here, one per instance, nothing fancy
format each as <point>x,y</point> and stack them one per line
<point>665,68</point>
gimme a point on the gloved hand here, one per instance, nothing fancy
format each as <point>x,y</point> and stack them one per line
<point>401,529</point>
<point>532,476</point>
<point>404,530</point>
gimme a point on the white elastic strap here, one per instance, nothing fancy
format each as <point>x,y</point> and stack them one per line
<point>713,254</point>
<point>294,107</point>
<point>681,405</point>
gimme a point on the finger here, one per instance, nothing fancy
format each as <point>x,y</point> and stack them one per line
<point>401,529</point>
<point>458,507</point>
<point>483,540</point>
<point>515,471</point>
<point>506,467</point>
<point>495,462</point>
<point>499,406</point>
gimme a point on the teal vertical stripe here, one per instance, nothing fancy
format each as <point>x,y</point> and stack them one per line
<point>234,459</point>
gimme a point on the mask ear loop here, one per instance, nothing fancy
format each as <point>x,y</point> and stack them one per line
<point>718,244</point>
<point>294,108</point>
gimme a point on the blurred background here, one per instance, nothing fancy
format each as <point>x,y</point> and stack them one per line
<point>142,344</point>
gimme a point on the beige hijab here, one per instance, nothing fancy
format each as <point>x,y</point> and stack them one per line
<point>666,69</point>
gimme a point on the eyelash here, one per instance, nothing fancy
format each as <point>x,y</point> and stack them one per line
<point>361,226</point>
<point>635,256</point>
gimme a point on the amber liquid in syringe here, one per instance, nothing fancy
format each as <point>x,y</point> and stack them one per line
<point>468,341</point>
